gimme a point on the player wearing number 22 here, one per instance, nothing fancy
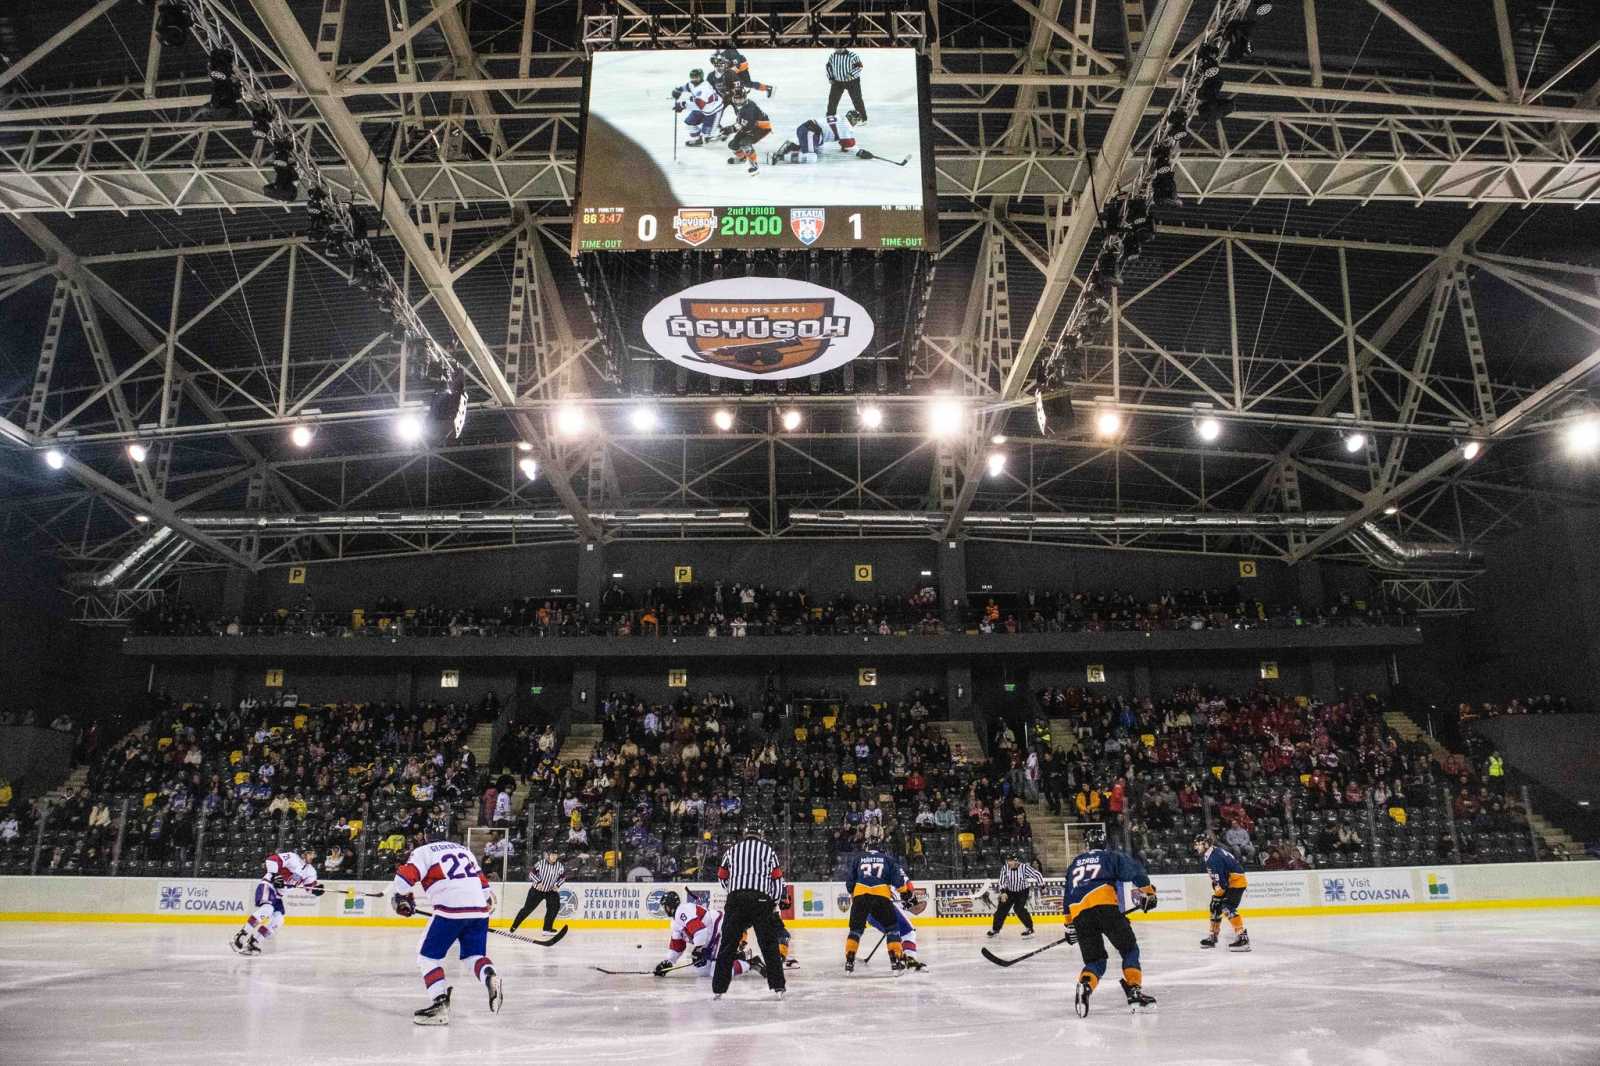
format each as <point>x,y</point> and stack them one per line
<point>873,877</point>
<point>1094,915</point>
<point>459,894</point>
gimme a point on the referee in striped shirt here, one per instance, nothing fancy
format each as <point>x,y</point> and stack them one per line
<point>548,877</point>
<point>844,76</point>
<point>754,879</point>
<point>1016,880</point>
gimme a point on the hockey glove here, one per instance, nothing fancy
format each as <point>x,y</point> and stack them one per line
<point>1216,908</point>
<point>1148,901</point>
<point>698,956</point>
<point>316,890</point>
<point>1072,933</point>
<point>907,897</point>
<point>404,905</point>
<point>862,153</point>
<point>769,91</point>
<point>277,882</point>
<point>661,968</point>
<point>679,106</point>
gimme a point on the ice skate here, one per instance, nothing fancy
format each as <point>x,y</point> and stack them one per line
<point>1240,943</point>
<point>753,166</point>
<point>913,963</point>
<point>897,964</point>
<point>436,1013</point>
<point>1209,942</point>
<point>1138,1000</point>
<point>694,142</point>
<point>849,964</point>
<point>497,995</point>
<point>1026,933</point>
<point>1080,996</point>
<point>992,933</point>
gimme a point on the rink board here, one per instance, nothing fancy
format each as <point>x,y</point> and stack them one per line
<point>623,905</point>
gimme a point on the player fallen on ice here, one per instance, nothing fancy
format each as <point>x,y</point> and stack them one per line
<point>698,930</point>
<point>704,106</point>
<point>874,877</point>
<point>812,134</point>
<point>284,870</point>
<point>752,125</point>
<point>1094,915</point>
<point>459,894</point>
<point>1227,889</point>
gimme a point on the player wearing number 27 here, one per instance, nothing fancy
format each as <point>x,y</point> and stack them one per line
<point>459,894</point>
<point>1094,915</point>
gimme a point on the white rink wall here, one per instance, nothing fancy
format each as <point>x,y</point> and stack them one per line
<point>624,905</point>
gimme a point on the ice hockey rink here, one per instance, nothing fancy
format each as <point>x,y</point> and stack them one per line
<point>1461,987</point>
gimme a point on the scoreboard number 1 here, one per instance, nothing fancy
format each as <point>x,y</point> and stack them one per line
<point>647,227</point>
<point>855,225</point>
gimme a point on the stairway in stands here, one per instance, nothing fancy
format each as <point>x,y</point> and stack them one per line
<point>1408,730</point>
<point>581,741</point>
<point>481,743</point>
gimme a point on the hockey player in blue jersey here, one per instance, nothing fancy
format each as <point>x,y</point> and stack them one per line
<point>1094,915</point>
<point>704,105</point>
<point>1227,889</point>
<point>873,879</point>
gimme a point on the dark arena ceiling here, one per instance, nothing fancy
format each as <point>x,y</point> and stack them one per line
<point>1405,195</point>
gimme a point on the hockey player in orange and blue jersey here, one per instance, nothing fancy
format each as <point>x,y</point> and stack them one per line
<point>1227,889</point>
<point>1094,915</point>
<point>874,878</point>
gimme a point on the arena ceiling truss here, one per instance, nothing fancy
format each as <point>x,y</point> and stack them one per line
<point>1391,240</point>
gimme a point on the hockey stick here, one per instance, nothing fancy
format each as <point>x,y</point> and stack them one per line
<point>875,948</point>
<point>674,136</point>
<point>353,892</point>
<point>641,973</point>
<point>513,936</point>
<point>862,153</point>
<point>998,961</point>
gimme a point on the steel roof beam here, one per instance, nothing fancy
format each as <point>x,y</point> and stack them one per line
<point>345,132</point>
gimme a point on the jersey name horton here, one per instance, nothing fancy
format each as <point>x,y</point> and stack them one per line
<point>761,328</point>
<point>759,336</point>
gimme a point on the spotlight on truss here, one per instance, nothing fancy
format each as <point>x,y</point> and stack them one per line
<point>174,20</point>
<point>226,92</point>
<point>1052,409</point>
<point>285,184</point>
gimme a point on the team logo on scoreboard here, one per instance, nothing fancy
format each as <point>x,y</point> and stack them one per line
<point>807,223</point>
<point>758,328</point>
<point>695,226</point>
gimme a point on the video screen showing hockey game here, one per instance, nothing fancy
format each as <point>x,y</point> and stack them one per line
<point>755,148</point>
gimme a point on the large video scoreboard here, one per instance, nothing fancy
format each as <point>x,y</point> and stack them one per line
<point>756,148</point>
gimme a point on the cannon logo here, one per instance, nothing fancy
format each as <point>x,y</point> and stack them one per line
<point>758,328</point>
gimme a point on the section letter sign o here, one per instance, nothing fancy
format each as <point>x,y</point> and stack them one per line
<point>758,329</point>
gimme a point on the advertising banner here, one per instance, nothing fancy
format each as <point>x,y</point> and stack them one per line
<point>1436,886</point>
<point>612,902</point>
<point>188,897</point>
<point>1276,889</point>
<point>757,328</point>
<point>1366,888</point>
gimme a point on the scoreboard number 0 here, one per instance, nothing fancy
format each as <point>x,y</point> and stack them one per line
<point>647,227</point>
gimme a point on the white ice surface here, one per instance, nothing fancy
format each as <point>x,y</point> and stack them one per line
<point>633,90</point>
<point>1412,990</point>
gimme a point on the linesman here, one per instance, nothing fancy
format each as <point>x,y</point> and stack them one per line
<point>1016,880</point>
<point>547,875</point>
<point>754,879</point>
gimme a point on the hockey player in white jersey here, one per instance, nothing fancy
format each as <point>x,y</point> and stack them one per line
<point>697,929</point>
<point>284,870</point>
<point>704,105</point>
<point>459,895</point>
<point>812,134</point>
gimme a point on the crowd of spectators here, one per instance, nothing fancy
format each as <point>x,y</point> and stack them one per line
<point>737,610</point>
<point>374,777</point>
<point>1545,704</point>
<point>1286,782</point>
<point>668,782</point>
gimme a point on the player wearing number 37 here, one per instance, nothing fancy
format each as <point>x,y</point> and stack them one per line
<point>459,894</point>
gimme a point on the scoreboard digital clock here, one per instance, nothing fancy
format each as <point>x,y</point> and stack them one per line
<point>761,149</point>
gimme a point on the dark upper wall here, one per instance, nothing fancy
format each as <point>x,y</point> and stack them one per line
<point>1537,627</point>
<point>1560,751</point>
<point>823,568</point>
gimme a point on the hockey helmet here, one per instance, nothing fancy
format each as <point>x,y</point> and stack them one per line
<point>853,117</point>
<point>697,75</point>
<point>753,827</point>
<point>719,60</point>
<point>739,93</point>
<point>1203,843</point>
<point>670,902</point>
